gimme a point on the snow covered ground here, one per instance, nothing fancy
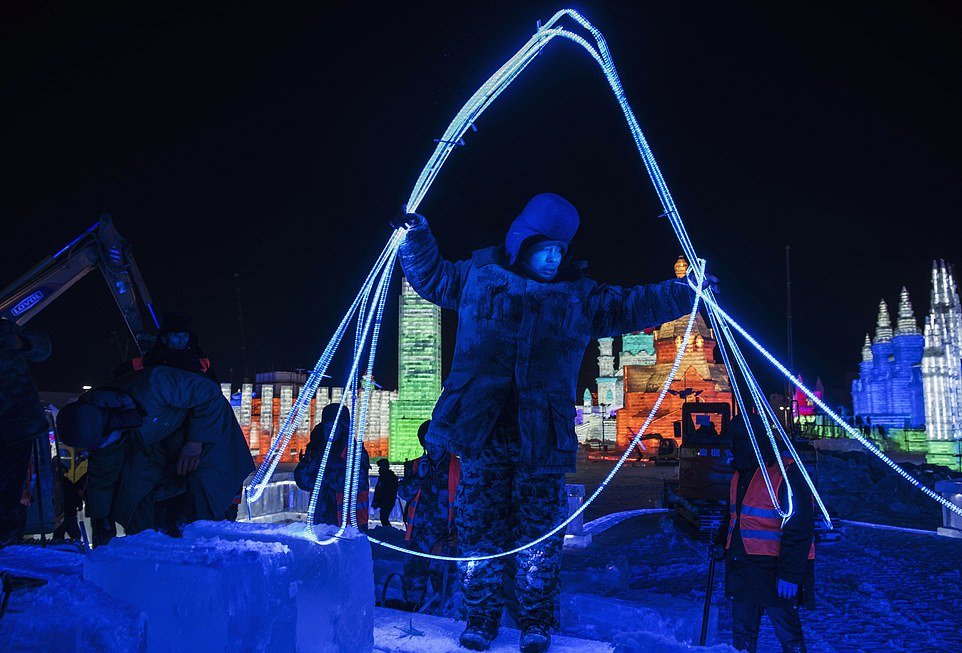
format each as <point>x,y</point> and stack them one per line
<point>639,586</point>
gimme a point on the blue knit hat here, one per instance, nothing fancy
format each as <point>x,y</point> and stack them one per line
<point>547,216</point>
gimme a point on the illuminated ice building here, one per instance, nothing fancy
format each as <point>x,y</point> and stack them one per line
<point>419,372</point>
<point>393,416</point>
<point>942,369</point>
<point>279,391</point>
<point>626,391</point>
<point>888,392</point>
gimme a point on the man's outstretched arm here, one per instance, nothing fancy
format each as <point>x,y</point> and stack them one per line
<point>616,310</point>
<point>432,277</point>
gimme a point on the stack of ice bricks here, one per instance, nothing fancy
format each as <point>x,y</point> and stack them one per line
<point>242,587</point>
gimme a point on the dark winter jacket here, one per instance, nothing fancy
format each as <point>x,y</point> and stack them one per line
<point>329,499</point>
<point>21,415</point>
<point>177,407</point>
<point>753,578</point>
<point>385,492</point>
<point>517,335</point>
<point>191,359</point>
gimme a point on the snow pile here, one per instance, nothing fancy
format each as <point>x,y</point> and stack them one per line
<point>66,615</point>
<point>252,587</point>
<point>857,485</point>
<point>649,621</point>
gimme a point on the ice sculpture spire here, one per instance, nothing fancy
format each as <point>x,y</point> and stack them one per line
<point>906,323</point>
<point>883,328</point>
<point>867,350</point>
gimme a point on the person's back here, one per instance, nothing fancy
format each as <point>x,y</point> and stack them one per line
<point>330,502</point>
<point>768,561</point>
<point>181,459</point>
<point>385,492</point>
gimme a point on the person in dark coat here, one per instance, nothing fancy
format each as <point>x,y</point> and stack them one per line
<point>330,499</point>
<point>769,565</point>
<point>526,314</point>
<point>22,420</point>
<point>429,489</point>
<point>176,452</point>
<point>177,346</point>
<point>385,492</point>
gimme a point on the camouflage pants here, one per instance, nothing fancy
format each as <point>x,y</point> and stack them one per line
<point>501,505</point>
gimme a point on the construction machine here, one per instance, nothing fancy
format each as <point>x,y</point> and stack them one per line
<point>100,247</point>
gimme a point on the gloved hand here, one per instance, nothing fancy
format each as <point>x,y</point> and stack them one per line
<point>786,590</point>
<point>409,221</point>
<point>189,458</point>
<point>710,283</point>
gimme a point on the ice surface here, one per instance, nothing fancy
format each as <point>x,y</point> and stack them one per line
<point>397,632</point>
<point>655,622</point>
<point>242,587</point>
<point>65,615</point>
<point>333,585</point>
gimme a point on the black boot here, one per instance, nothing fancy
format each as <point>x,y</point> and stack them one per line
<point>479,633</point>
<point>535,639</point>
<point>104,530</point>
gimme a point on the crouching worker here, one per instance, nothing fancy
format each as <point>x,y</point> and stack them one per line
<point>769,565</point>
<point>330,499</point>
<point>165,447</point>
<point>429,488</point>
<point>526,314</point>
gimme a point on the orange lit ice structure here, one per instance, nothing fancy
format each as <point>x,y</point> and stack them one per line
<point>699,379</point>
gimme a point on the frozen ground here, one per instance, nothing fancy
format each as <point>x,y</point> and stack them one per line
<point>638,587</point>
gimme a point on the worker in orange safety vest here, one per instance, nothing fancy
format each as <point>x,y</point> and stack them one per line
<point>769,564</point>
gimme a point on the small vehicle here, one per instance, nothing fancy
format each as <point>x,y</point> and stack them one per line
<point>704,465</point>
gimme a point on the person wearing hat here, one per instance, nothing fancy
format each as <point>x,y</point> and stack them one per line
<point>174,451</point>
<point>330,499</point>
<point>177,346</point>
<point>526,314</point>
<point>22,420</point>
<point>769,562</point>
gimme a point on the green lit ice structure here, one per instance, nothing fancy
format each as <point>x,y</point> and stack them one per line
<point>419,372</point>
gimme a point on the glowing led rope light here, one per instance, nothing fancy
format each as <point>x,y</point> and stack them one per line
<point>826,409</point>
<point>266,469</point>
<point>351,462</point>
<point>594,495</point>
<point>746,373</point>
<point>367,389</point>
<point>465,119</point>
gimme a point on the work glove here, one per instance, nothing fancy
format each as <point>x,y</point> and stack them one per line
<point>409,221</point>
<point>189,458</point>
<point>710,283</point>
<point>786,590</point>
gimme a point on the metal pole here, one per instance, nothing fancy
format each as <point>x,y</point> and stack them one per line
<point>708,592</point>
<point>789,392</point>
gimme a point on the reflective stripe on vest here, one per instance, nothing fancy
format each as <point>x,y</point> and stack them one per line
<point>759,523</point>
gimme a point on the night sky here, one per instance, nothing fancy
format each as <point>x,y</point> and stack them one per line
<point>275,143</point>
